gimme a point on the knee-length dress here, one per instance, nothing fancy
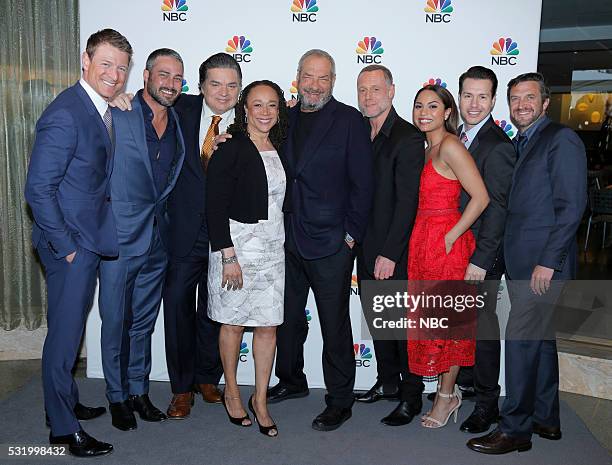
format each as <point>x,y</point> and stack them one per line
<point>437,213</point>
<point>261,255</point>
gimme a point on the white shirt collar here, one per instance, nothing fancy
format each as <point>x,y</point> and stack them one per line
<point>471,133</point>
<point>227,118</point>
<point>98,101</point>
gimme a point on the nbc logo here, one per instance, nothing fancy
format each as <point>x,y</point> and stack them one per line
<point>369,50</point>
<point>244,350</point>
<point>507,127</point>
<point>435,82</point>
<point>293,90</point>
<point>438,11</point>
<point>185,87</point>
<point>304,11</point>
<point>308,315</point>
<point>363,355</point>
<point>174,10</point>
<point>240,47</point>
<point>504,52</point>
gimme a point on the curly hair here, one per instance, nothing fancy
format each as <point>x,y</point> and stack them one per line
<point>278,133</point>
<point>448,101</point>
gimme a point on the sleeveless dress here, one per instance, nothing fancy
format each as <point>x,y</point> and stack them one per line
<point>437,213</point>
<point>261,255</point>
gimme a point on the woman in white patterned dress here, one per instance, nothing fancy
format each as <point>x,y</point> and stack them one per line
<point>246,272</point>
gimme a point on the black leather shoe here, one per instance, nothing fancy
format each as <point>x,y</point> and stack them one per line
<point>123,417</point>
<point>552,433</point>
<point>147,411</point>
<point>402,415</point>
<point>376,393</point>
<point>480,420</point>
<point>82,444</point>
<point>497,442</point>
<point>467,393</point>
<point>279,393</point>
<point>331,418</point>
<point>83,412</point>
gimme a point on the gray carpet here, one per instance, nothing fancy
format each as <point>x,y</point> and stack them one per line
<point>208,438</point>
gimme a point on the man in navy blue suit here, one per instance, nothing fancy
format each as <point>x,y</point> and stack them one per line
<point>545,206</point>
<point>149,153</point>
<point>68,191</point>
<point>329,191</point>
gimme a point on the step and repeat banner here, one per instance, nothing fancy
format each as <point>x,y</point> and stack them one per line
<point>420,41</point>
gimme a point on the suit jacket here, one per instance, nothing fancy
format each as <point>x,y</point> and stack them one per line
<point>67,185</point>
<point>495,157</point>
<point>135,199</point>
<point>329,191</point>
<point>546,203</point>
<point>399,154</point>
<point>237,188</point>
<point>187,202</point>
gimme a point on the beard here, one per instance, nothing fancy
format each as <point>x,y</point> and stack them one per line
<point>159,97</point>
<point>314,105</point>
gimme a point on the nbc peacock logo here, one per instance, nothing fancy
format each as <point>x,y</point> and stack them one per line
<point>435,82</point>
<point>363,355</point>
<point>240,48</point>
<point>369,50</point>
<point>304,11</point>
<point>244,350</point>
<point>293,90</point>
<point>504,52</point>
<point>438,11</point>
<point>506,126</point>
<point>174,10</point>
<point>185,87</point>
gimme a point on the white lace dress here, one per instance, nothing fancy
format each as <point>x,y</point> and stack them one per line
<point>261,255</point>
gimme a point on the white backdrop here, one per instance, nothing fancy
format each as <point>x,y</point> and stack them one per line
<point>418,40</point>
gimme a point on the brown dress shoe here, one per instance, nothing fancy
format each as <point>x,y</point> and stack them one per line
<point>210,393</point>
<point>497,442</point>
<point>180,406</point>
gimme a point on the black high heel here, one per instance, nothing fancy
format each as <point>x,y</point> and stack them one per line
<point>265,430</point>
<point>236,420</point>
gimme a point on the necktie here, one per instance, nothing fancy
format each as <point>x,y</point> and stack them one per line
<point>521,142</point>
<point>108,122</point>
<point>464,137</point>
<point>207,145</point>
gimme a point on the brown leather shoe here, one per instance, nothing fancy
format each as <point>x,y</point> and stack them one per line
<point>210,393</point>
<point>553,433</point>
<point>180,406</point>
<point>497,442</point>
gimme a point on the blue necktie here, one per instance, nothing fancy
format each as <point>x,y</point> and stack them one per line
<point>520,144</point>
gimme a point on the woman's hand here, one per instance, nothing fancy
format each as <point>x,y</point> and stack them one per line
<point>232,273</point>
<point>449,240</point>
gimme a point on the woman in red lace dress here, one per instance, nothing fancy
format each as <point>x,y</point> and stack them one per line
<point>441,242</point>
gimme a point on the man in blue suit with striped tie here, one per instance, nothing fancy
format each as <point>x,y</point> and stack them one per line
<point>68,191</point>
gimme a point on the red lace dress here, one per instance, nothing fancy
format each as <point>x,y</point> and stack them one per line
<point>438,212</point>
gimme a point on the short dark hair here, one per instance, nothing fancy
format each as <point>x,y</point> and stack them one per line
<point>479,72</point>
<point>161,52</point>
<point>110,37</point>
<point>530,77</point>
<point>279,130</point>
<point>219,60</point>
<point>386,72</point>
<point>448,101</point>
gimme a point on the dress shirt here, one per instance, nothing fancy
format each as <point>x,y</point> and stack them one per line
<point>227,118</point>
<point>98,101</point>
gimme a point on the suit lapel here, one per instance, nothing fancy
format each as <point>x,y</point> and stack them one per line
<point>319,130</point>
<point>136,123</point>
<point>289,154</point>
<point>533,140</point>
<point>191,132</point>
<point>178,164</point>
<point>93,113</point>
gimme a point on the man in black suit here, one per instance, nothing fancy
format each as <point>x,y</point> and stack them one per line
<point>192,347</point>
<point>398,162</point>
<point>329,189</point>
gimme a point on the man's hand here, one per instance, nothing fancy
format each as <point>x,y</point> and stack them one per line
<point>540,279</point>
<point>383,267</point>
<point>70,257</point>
<point>474,274</point>
<point>219,139</point>
<point>122,101</point>
<point>292,102</point>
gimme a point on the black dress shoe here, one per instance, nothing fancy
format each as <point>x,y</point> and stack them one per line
<point>377,392</point>
<point>147,411</point>
<point>331,418</point>
<point>480,420</point>
<point>279,393</point>
<point>123,417</point>
<point>497,442</point>
<point>83,412</point>
<point>403,414</point>
<point>82,444</point>
<point>552,433</point>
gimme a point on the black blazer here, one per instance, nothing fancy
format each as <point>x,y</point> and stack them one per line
<point>236,188</point>
<point>495,157</point>
<point>186,203</point>
<point>399,154</point>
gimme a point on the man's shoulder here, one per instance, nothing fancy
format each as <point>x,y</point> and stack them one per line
<point>187,102</point>
<point>346,110</point>
<point>492,134</point>
<point>66,103</point>
<point>402,128</point>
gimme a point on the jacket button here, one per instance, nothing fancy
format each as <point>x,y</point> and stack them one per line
<point>108,199</point>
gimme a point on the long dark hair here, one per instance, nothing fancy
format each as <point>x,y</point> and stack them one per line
<point>448,101</point>
<point>279,130</point>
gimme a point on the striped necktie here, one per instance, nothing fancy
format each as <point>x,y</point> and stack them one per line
<point>207,145</point>
<point>108,122</point>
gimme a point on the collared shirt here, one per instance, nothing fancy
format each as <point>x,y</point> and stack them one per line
<point>385,130</point>
<point>227,118</point>
<point>162,151</point>
<point>471,133</point>
<point>98,101</point>
<point>533,128</point>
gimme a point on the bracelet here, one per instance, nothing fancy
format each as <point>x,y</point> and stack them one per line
<point>228,260</point>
